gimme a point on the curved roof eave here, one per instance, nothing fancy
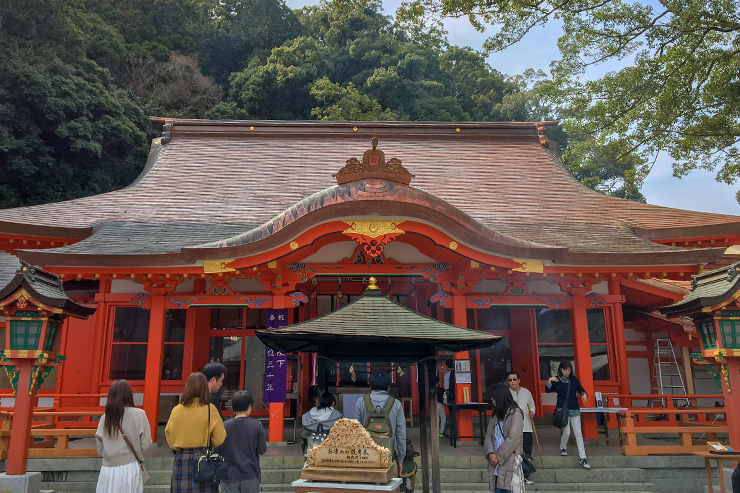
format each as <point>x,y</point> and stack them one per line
<point>370,198</point>
<point>360,199</point>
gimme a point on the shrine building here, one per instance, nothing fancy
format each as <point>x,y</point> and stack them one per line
<point>479,225</point>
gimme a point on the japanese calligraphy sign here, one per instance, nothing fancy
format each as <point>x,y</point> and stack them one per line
<point>275,361</point>
<point>348,446</point>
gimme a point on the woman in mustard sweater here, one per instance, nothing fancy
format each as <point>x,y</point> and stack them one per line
<point>187,434</point>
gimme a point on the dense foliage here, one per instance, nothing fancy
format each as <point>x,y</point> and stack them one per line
<point>678,90</point>
<point>78,79</point>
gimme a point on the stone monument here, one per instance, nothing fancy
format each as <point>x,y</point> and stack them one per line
<point>349,454</point>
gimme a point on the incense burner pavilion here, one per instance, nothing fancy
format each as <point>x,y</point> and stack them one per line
<point>233,227</point>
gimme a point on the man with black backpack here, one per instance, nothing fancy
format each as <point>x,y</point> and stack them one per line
<point>382,416</point>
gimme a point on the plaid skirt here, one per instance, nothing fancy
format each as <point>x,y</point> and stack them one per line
<point>183,472</point>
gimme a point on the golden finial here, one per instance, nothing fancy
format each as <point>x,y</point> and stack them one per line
<point>372,286</point>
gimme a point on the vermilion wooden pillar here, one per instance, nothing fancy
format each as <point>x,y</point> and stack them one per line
<point>524,351</point>
<point>20,434</point>
<point>464,418</point>
<point>98,350</point>
<point>731,395</point>
<point>154,351</point>
<point>583,368</point>
<point>620,343</point>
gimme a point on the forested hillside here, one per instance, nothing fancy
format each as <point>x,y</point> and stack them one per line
<point>78,79</point>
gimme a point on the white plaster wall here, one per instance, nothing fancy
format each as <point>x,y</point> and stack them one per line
<point>543,287</point>
<point>633,335</point>
<point>334,252</point>
<point>640,375</point>
<point>406,254</point>
<point>125,286</point>
<point>704,384</point>
<point>600,287</point>
<point>489,287</point>
<point>247,286</point>
<point>549,398</point>
<point>185,287</point>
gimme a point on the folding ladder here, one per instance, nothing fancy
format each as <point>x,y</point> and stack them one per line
<point>667,378</point>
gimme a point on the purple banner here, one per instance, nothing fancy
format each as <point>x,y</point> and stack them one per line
<point>275,361</point>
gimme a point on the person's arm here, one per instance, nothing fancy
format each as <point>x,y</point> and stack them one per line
<point>99,435</point>
<point>489,440</point>
<point>168,430</point>
<point>218,432</point>
<point>261,441</point>
<point>400,434</point>
<point>552,384</point>
<point>581,390</point>
<point>530,404</point>
<point>145,435</point>
<point>512,437</point>
<point>360,410</point>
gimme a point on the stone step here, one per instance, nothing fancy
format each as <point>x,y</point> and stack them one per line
<point>446,462</point>
<point>538,486</point>
<point>79,487</point>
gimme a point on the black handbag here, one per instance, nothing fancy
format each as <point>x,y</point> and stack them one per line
<point>560,416</point>
<point>211,467</point>
<point>527,465</point>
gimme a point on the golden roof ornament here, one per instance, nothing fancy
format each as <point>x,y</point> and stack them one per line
<point>372,285</point>
<point>373,165</point>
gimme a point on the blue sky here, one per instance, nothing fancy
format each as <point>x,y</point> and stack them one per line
<point>698,191</point>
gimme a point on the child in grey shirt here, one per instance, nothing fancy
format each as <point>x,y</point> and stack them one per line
<point>245,442</point>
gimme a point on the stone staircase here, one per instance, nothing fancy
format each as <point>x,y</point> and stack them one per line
<point>461,474</point>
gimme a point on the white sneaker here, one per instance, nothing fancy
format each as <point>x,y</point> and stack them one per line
<point>563,452</point>
<point>585,464</point>
<point>528,481</point>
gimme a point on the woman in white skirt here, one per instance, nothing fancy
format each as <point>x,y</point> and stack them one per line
<point>121,472</point>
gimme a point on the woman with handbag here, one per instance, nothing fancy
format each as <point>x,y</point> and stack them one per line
<point>194,426</point>
<point>568,387</point>
<point>122,436</point>
<point>503,444</point>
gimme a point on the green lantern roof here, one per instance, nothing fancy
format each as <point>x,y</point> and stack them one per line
<point>707,290</point>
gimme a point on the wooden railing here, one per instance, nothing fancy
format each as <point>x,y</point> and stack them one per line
<point>55,429</point>
<point>692,425</point>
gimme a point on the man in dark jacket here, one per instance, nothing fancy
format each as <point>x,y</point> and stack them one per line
<point>215,373</point>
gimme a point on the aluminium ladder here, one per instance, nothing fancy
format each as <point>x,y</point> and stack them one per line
<point>667,378</point>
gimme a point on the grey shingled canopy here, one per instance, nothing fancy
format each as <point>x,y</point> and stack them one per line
<point>707,289</point>
<point>374,328</point>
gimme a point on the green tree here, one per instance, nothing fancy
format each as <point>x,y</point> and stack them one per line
<point>346,103</point>
<point>280,88</point>
<point>237,30</point>
<point>65,129</point>
<point>678,92</point>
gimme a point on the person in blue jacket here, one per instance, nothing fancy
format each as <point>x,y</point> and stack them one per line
<point>568,387</point>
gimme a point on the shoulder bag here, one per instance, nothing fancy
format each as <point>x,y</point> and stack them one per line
<point>560,416</point>
<point>317,437</point>
<point>211,467</point>
<point>144,473</point>
<point>517,476</point>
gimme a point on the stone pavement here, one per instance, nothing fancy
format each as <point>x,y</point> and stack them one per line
<point>462,469</point>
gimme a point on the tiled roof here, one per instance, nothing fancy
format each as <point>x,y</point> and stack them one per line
<point>9,264</point>
<point>222,179</point>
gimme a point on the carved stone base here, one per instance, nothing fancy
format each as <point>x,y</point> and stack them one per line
<point>350,474</point>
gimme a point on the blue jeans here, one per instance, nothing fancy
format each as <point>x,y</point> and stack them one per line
<point>501,490</point>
